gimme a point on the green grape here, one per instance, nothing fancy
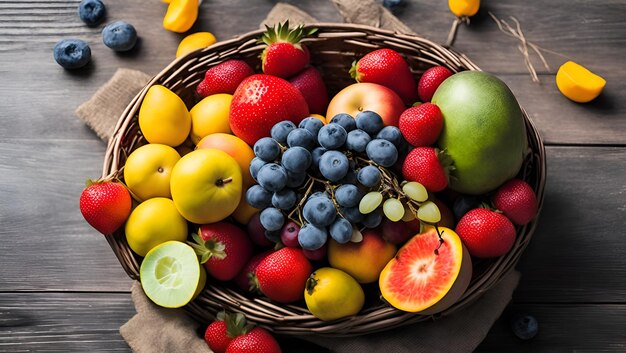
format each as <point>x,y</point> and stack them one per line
<point>415,191</point>
<point>393,209</point>
<point>408,214</point>
<point>370,202</point>
<point>429,212</point>
<point>357,236</point>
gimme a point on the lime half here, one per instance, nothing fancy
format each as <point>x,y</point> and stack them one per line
<point>170,274</point>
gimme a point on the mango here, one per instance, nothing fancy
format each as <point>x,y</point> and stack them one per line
<point>163,117</point>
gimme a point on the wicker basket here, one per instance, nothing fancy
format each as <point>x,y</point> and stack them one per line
<point>333,50</point>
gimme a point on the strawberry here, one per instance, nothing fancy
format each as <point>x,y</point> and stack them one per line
<point>105,205</point>
<point>244,278</point>
<point>221,332</point>
<point>224,77</point>
<point>224,249</point>
<point>429,167</point>
<point>260,102</point>
<point>486,233</point>
<point>388,68</point>
<point>282,275</point>
<point>430,80</point>
<point>284,56</point>
<point>517,200</point>
<point>421,125</point>
<point>258,340</point>
<point>310,83</point>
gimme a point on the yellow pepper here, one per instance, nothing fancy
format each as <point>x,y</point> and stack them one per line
<point>181,15</point>
<point>461,8</point>
<point>195,41</point>
<point>577,83</point>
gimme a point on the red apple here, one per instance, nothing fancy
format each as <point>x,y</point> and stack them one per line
<point>367,96</point>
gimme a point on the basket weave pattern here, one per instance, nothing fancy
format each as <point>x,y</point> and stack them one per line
<point>333,50</point>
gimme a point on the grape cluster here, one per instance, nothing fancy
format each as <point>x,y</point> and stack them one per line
<point>317,181</point>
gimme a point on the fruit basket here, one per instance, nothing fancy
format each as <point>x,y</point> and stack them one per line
<point>333,49</point>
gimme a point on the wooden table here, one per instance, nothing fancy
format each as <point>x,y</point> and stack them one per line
<point>62,289</point>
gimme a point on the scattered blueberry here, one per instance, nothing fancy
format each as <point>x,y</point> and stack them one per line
<point>267,149</point>
<point>301,137</point>
<point>369,176</point>
<point>296,159</point>
<point>341,230</point>
<point>394,5</point>
<point>272,177</point>
<point>382,152</point>
<point>348,195</point>
<point>280,131</point>
<point>357,140</point>
<point>369,122</point>
<point>334,165</point>
<point>284,199</point>
<point>345,120</point>
<point>72,53</point>
<point>258,197</point>
<point>319,211</point>
<point>312,124</point>
<point>272,219</point>
<point>332,136</point>
<point>91,12</point>
<point>119,36</point>
<point>311,237</point>
<point>525,327</point>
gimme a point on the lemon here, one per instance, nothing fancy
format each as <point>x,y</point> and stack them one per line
<point>163,117</point>
<point>332,294</point>
<point>147,171</point>
<point>195,41</point>
<point>577,83</point>
<point>462,8</point>
<point>210,116</point>
<point>154,222</point>
<point>171,275</point>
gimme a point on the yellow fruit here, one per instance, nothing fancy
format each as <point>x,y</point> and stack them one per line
<point>320,117</point>
<point>210,116</point>
<point>331,294</point>
<point>147,171</point>
<point>154,222</point>
<point>236,148</point>
<point>464,7</point>
<point>244,211</point>
<point>163,117</point>
<point>195,41</point>
<point>577,83</point>
<point>181,15</point>
<point>206,185</point>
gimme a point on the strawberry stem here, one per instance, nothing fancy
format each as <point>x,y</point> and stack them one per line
<point>207,249</point>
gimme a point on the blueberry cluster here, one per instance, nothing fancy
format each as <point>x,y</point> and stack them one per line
<point>317,175</point>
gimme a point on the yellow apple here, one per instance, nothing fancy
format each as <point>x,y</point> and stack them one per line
<point>210,116</point>
<point>147,171</point>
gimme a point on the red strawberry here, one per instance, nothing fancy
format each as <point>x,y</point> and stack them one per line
<point>388,68</point>
<point>224,77</point>
<point>243,279</point>
<point>517,200</point>
<point>105,205</point>
<point>221,332</point>
<point>224,249</point>
<point>258,340</point>
<point>428,166</point>
<point>310,83</point>
<point>486,233</point>
<point>421,125</point>
<point>260,102</point>
<point>282,275</point>
<point>284,56</point>
<point>430,80</point>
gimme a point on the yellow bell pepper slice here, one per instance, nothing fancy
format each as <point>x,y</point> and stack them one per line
<point>577,83</point>
<point>462,8</point>
<point>181,15</point>
<point>195,41</point>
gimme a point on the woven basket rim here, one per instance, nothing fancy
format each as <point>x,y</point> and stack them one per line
<point>295,319</point>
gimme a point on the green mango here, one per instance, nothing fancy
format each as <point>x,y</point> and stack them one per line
<point>483,131</point>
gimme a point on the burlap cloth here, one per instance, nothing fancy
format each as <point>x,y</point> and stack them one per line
<point>158,330</point>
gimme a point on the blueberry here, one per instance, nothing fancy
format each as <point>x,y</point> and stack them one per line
<point>357,140</point>
<point>382,152</point>
<point>312,237</point>
<point>91,12</point>
<point>295,180</point>
<point>280,131</point>
<point>348,195</point>
<point>312,124</point>
<point>272,177</point>
<point>341,230</point>
<point>258,197</point>
<point>319,211</point>
<point>394,5</point>
<point>332,136</point>
<point>284,199</point>
<point>525,327</point>
<point>72,53</point>
<point>345,120</point>
<point>267,149</point>
<point>255,165</point>
<point>350,178</point>
<point>272,219</point>
<point>119,36</point>
<point>296,159</point>
<point>273,235</point>
<point>464,204</point>
<point>317,194</point>
<point>373,219</point>
<point>301,137</point>
<point>393,135</point>
<point>316,154</point>
<point>334,165</point>
<point>352,214</point>
<point>369,122</point>
<point>369,176</point>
